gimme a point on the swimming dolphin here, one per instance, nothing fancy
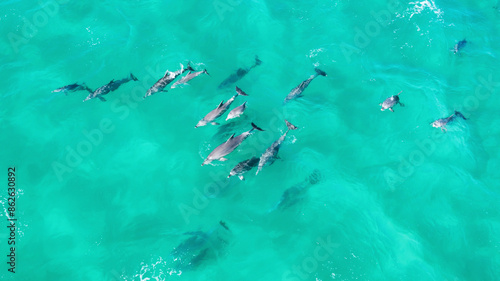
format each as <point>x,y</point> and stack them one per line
<point>441,123</point>
<point>297,91</point>
<point>240,73</point>
<point>295,193</point>
<point>219,111</point>
<point>111,86</point>
<point>237,111</point>
<point>200,246</point>
<point>228,146</point>
<point>160,85</point>
<point>271,152</point>
<point>243,167</point>
<point>459,46</point>
<point>72,88</point>
<point>188,78</point>
<point>390,102</point>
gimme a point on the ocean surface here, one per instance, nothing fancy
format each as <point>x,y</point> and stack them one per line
<point>115,190</point>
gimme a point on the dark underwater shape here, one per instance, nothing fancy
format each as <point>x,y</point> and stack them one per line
<point>297,192</point>
<point>200,247</point>
<point>72,88</point>
<point>460,45</point>
<point>240,73</point>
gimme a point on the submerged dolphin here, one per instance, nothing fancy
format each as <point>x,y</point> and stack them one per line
<point>240,73</point>
<point>200,246</point>
<point>237,111</point>
<point>228,146</point>
<point>442,122</point>
<point>243,167</point>
<point>297,91</point>
<point>390,102</point>
<point>295,193</point>
<point>459,46</point>
<point>271,153</point>
<point>219,111</point>
<point>72,88</point>
<point>188,78</point>
<point>160,85</point>
<point>111,86</point>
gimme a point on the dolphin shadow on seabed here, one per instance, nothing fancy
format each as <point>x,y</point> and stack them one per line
<point>240,73</point>
<point>297,192</point>
<point>201,247</point>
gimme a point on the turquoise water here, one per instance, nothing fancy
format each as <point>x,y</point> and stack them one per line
<point>108,190</point>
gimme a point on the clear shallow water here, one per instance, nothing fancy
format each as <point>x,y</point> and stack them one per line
<point>398,199</point>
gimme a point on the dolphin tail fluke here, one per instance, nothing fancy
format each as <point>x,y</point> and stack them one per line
<point>206,72</point>
<point>223,224</point>
<point>290,125</point>
<point>460,115</point>
<point>320,72</point>
<point>87,88</point>
<point>257,61</point>
<point>240,92</point>
<point>255,127</point>
<point>258,170</point>
<point>189,67</point>
<point>133,77</point>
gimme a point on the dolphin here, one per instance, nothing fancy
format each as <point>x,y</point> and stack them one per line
<point>228,146</point>
<point>459,46</point>
<point>219,111</point>
<point>200,246</point>
<point>295,193</point>
<point>243,167</point>
<point>240,73</point>
<point>72,88</point>
<point>297,91</point>
<point>111,86</point>
<point>160,85</point>
<point>390,102</point>
<point>188,78</point>
<point>442,122</point>
<point>237,111</point>
<point>271,152</point>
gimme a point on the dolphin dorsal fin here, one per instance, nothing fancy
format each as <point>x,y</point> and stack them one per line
<point>220,104</point>
<point>231,137</point>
